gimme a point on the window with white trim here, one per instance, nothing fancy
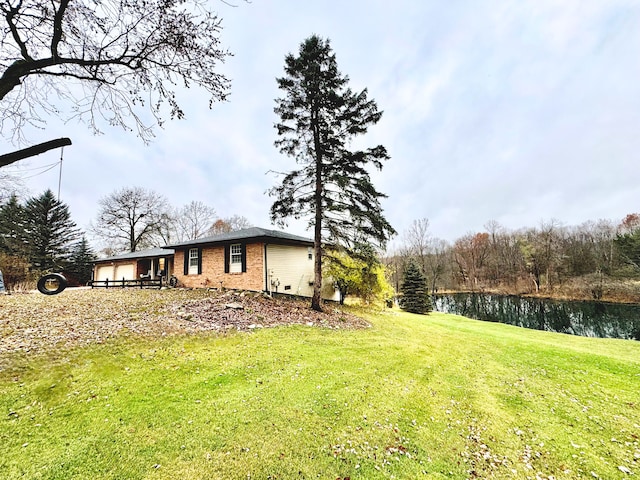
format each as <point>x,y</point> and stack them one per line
<point>193,261</point>
<point>235,260</point>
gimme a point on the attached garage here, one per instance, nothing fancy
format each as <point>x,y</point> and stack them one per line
<point>126,271</point>
<point>151,264</point>
<point>104,272</point>
<point>115,271</point>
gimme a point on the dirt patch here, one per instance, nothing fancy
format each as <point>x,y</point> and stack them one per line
<point>35,323</point>
<point>248,311</point>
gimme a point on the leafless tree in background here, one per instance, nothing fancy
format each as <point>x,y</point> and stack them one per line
<point>131,219</point>
<point>193,221</point>
<point>229,224</point>
<point>9,185</point>
<point>470,254</point>
<point>418,240</point>
<point>430,253</point>
<point>584,261</point>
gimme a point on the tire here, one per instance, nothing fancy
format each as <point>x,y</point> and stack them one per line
<point>52,284</point>
<point>173,281</point>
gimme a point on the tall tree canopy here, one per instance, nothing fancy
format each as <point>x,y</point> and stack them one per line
<point>319,117</point>
<point>50,232</point>
<point>108,57</point>
<point>132,218</point>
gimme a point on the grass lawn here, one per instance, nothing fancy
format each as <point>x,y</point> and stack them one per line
<point>436,396</point>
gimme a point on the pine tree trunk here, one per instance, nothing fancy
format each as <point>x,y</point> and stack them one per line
<point>316,301</point>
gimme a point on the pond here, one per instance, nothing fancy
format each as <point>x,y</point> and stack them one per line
<point>587,319</point>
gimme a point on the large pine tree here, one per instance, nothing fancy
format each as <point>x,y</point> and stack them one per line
<point>414,291</point>
<point>50,231</point>
<point>319,117</point>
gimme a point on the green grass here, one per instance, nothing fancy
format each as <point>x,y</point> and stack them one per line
<point>435,396</point>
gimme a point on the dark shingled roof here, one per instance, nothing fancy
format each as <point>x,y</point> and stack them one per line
<point>150,253</point>
<point>248,233</point>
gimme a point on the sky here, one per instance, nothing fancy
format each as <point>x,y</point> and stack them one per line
<point>516,112</point>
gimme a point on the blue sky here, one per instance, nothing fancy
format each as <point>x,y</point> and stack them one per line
<point>511,111</point>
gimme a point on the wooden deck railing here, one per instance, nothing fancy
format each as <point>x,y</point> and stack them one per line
<point>138,283</point>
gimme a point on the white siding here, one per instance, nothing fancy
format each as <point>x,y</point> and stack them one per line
<point>292,270</point>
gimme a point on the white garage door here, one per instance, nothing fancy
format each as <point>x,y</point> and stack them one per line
<point>103,272</point>
<point>124,271</point>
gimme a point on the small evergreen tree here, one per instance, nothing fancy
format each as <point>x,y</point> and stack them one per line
<point>81,261</point>
<point>415,293</point>
<point>50,231</point>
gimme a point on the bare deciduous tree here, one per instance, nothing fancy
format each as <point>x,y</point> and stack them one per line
<point>430,253</point>
<point>438,262</point>
<point>130,219</point>
<point>418,239</point>
<point>193,220</point>
<point>229,224</point>
<point>470,255</point>
<point>110,59</point>
<point>10,184</point>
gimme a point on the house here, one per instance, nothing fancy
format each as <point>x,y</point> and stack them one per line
<point>152,263</point>
<point>254,259</point>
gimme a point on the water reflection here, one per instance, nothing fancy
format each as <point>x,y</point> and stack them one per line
<point>587,319</point>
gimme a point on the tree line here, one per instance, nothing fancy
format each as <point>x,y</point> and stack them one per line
<point>133,218</point>
<point>584,261</point>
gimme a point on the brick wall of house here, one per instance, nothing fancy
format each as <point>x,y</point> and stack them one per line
<point>213,270</point>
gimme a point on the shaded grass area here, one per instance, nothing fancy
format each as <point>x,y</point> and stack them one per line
<point>435,396</point>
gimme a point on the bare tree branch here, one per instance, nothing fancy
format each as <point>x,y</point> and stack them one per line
<point>9,158</point>
<point>117,51</point>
